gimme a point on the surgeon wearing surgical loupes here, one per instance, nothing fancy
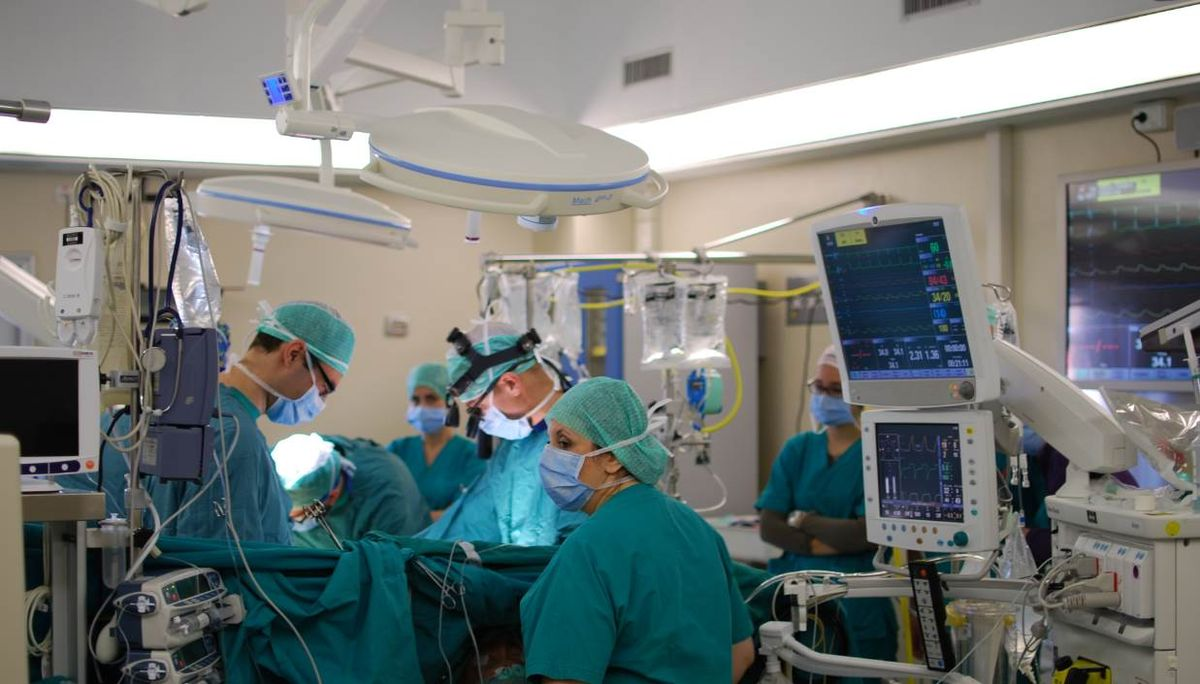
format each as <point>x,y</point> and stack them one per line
<point>505,389</point>
<point>295,361</point>
<point>814,509</point>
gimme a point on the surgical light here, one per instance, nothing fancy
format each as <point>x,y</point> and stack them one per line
<point>507,161</point>
<point>1083,62</point>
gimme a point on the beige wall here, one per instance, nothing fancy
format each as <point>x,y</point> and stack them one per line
<point>433,285</point>
<point>952,171</point>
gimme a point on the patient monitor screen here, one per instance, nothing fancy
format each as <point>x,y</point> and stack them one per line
<point>41,408</point>
<point>920,471</point>
<point>896,302</point>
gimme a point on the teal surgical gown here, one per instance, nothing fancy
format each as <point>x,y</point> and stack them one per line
<point>381,497</point>
<point>257,501</point>
<point>803,479</point>
<point>455,467</point>
<point>644,591</point>
<point>507,503</point>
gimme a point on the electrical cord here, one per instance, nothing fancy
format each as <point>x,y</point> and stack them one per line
<point>1138,118</point>
<point>724,493</point>
<point>37,600</point>
<point>738,393</point>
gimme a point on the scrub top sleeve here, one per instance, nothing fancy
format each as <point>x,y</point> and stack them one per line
<point>567,620</point>
<point>780,490</point>
<point>741,628</point>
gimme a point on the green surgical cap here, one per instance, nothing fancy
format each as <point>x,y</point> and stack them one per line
<point>608,411</point>
<point>499,336</point>
<point>327,335</point>
<point>431,375</point>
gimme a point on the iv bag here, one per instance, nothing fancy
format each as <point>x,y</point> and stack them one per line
<point>513,302</point>
<point>704,322</point>
<point>196,289</point>
<point>662,322</point>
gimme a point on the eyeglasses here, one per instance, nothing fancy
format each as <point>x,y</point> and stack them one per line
<point>816,387</point>
<point>324,376</point>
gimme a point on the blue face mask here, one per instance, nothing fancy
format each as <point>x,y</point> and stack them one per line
<point>428,419</point>
<point>827,410</point>
<point>560,474</point>
<point>285,411</point>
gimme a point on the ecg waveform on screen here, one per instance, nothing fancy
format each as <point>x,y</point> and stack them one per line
<point>1130,262</point>
<point>920,471</point>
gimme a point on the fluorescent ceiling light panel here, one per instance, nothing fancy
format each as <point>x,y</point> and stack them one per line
<point>171,138</point>
<point>1121,54</point>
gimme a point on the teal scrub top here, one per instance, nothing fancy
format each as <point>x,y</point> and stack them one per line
<point>507,503</point>
<point>803,479</point>
<point>456,466</point>
<point>114,469</point>
<point>644,591</point>
<point>257,501</point>
<point>382,496</point>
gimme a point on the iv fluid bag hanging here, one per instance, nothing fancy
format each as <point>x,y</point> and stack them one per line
<point>704,304</point>
<point>662,323</point>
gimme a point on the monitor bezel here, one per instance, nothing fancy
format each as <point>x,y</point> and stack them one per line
<point>979,480</point>
<point>88,458</point>
<point>1061,348</point>
<point>920,392</point>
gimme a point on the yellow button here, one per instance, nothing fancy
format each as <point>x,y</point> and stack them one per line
<point>1172,528</point>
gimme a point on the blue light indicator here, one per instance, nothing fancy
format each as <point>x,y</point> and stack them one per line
<point>277,89</point>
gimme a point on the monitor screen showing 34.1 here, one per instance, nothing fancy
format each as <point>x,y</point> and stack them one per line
<point>896,300</point>
<point>43,414</point>
<point>920,471</point>
<point>1133,256</point>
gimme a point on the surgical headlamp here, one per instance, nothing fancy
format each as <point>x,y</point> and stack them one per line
<point>480,364</point>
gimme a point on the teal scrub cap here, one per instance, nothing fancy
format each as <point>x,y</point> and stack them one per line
<point>608,411</point>
<point>431,375</point>
<point>328,336</point>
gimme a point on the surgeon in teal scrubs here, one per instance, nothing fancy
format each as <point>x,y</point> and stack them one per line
<point>644,590</point>
<point>361,486</point>
<point>813,509</point>
<point>294,363</point>
<point>510,389</point>
<point>442,462</point>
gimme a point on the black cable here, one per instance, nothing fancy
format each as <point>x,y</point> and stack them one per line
<point>1140,117</point>
<point>162,191</point>
<point>103,443</point>
<point>812,314</point>
<point>175,250</point>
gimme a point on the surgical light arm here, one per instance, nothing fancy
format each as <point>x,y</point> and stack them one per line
<point>26,302</point>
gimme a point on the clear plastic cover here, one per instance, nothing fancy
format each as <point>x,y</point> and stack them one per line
<point>661,302</point>
<point>1167,435</point>
<point>566,315</point>
<point>704,321</point>
<point>196,288</point>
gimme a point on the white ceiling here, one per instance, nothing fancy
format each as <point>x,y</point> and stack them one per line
<point>563,56</point>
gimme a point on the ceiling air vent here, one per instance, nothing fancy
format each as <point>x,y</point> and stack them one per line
<point>915,7</point>
<point>646,68</point>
